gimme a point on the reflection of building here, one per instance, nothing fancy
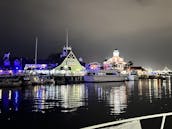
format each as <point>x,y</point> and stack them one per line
<point>72,96</point>
<point>8,96</point>
<point>67,97</point>
<point>149,89</point>
<point>116,62</point>
<point>115,95</point>
<point>118,99</point>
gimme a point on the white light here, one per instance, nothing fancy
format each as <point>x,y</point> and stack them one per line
<point>63,71</point>
<point>65,66</point>
<point>115,53</point>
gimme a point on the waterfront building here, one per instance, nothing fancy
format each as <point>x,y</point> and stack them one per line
<point>166,71</point>
<point>115,62</point>
<point>35,66</point>
<point>36,69</point>
<point>69,65</point>
<point>93,66</point>
<point>139,70</point>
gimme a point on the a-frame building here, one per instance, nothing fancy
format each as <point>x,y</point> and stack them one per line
<point>69,66</point>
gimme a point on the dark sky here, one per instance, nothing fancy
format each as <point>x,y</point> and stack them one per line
<point>140,29</point>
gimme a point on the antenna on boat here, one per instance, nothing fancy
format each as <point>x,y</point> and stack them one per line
<point>36,49</point>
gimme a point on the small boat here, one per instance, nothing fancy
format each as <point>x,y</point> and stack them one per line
<point>104,76</point>
<point>10,81</point>
<point>31,80</point>
<point>46,79</point>
<point>37,80</point>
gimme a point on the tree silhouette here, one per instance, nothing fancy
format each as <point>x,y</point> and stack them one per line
<point>130,63</point>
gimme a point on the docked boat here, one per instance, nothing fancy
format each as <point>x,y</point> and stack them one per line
<point>37,80</point>
<point>10,81</point>
<point>133,76</point>
<point>46,79</point>
<point>31,80</point>
<point>104,76</point>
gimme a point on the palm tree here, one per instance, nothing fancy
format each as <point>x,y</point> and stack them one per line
<point>130,63</point>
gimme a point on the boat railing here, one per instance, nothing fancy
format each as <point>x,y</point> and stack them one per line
<point>108,124</point>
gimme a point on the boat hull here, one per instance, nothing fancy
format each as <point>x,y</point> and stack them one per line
<point>10,81</point>
<point>103,78</point>
<point>133,78</point>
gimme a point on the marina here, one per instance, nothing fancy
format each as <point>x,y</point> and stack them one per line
<point>85,64</point>
<point>70,70</point>
<point>75,94</point>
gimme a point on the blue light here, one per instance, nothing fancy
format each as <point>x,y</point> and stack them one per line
<point>16,100</point>
<point>6,63</point>
<point>39,93</point>
<point>16,96</point>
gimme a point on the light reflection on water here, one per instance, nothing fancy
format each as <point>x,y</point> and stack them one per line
<point>68,98</point>
<point>114,95</point>
<point>9,100</point>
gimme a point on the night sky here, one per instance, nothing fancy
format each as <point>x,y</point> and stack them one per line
<point>140,29</point>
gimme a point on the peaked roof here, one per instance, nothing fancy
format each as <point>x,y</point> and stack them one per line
<point>69,55</point>
<point>68,60</point>
<point>166,69</point>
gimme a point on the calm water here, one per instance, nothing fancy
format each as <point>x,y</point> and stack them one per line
<point>80,105</point>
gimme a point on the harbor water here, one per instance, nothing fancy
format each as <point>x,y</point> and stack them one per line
<point>81,105</point>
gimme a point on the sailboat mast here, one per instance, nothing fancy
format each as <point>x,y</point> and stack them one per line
<point>36,50</point>
<point>67,39</point>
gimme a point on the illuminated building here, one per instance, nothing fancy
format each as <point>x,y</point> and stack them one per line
<point>35,66</point>
<point>116,62</point>
<point>69,65</point>
<point>138,69</point>
<point>93,66</point>
<point>166,70</point>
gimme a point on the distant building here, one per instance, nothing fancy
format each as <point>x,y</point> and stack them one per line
<point>35,67</point>
<point>93,66</point>
<point>139,70</point>
<point>165,71</point>
<point>116,62</point>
